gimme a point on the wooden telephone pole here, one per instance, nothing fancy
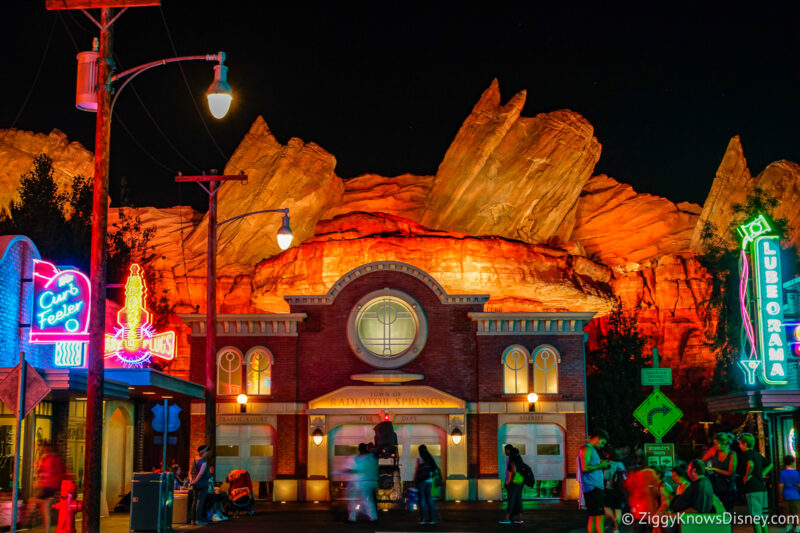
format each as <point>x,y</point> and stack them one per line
<point>214,182</point>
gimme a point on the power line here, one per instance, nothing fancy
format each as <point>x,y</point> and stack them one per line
<point>142,148</point>
<point>189,89</point>
<point>38,72</point>
<point>155,123</point>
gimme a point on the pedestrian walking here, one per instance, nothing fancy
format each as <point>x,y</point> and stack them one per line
<point>721,469</point>
<point>49,473</point>
<point>361,489</point>
<point>755,490</point>
<point>199,476</point>
<point>789,490</point>
<point>427,470</point>
<point>614,478</point>
<point>513,482</point>
<point>590,472</point>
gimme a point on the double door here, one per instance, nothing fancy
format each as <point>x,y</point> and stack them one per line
<point>249,447</point>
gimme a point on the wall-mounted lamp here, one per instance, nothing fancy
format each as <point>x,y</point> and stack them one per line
<point>242,401</point>
<point>532,399</point>
<point>317,436</point>
<point>456,436</point>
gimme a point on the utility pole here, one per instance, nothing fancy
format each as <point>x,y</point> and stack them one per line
<point>214,183</point>
<point>92,481</point>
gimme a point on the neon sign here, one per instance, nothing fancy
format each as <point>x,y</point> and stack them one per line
<point>61,304</point>
<point>767,355</point>
<point>769,306</point>
<point>135,341</point>
<point>70,354</point>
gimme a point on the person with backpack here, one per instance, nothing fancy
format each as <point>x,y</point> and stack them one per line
<point>514,483</point>
<point>615,477</point>
<point>427,470</point>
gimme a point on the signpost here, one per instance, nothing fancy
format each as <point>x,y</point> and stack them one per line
<point>657,413</point>
<point>662,455</point>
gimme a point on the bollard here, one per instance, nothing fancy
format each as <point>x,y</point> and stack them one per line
<point>67,506</point>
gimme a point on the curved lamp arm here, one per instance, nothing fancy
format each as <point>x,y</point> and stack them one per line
<point>285,211</point>
<point>135,71</point>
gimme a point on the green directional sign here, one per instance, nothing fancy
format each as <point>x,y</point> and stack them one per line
<point>658,414</point>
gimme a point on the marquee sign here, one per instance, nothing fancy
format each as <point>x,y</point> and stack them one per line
<point>767,357</point>
<point>61,304</point>
<point>135,341</point>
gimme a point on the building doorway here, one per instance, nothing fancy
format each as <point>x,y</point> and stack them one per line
<point>118,477</point>
<point>249,447</point>
<point>346,439</point>
<point>542,448</point>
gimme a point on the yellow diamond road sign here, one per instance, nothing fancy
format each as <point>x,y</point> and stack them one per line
<point>658,414</point>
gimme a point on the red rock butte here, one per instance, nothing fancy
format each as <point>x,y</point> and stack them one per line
<point>513,211</point>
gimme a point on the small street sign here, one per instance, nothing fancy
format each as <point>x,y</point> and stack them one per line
<point>662,455</point>
<point>658,414</point>
<point>653,377</point>
<point>36,389</point>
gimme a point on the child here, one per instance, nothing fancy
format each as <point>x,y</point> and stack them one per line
<point>789,489</point>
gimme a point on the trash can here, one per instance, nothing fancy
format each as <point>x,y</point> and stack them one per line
<point>146,501</point>
<point>180,507</point>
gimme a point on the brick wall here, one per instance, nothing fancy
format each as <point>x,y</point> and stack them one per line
<point>487,445</point>
<point>16,302</point>
<point>446,361</point>
<point>571,374</point>
<point>285,455</point>
<point>575,438</point>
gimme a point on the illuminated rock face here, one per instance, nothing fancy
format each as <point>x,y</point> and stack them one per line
<point>512,176</point>
<point>618,226</point>
<point>462,264</point>
<point>513,211</point>
<point>19,148</point>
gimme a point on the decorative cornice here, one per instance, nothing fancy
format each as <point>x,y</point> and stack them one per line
<point>388,266</point>
<point>531,323</point>
<point>247,325</point>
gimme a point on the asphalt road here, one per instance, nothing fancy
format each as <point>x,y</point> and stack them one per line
<point>557,517</point>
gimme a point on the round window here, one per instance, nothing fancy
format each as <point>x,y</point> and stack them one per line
<point>387,329</point>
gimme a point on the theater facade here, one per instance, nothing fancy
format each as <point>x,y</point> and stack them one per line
<point>387,342</point>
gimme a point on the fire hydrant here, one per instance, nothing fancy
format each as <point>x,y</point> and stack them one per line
<point>67,506</point>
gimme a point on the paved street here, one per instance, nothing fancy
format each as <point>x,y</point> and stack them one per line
<point>480,517</point>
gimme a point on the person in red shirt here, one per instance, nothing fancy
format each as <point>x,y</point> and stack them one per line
<point>49,474</point>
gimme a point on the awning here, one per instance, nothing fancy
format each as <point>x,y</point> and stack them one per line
<point>759,400</point>
<point>63,381</point>
<point>154,384</point>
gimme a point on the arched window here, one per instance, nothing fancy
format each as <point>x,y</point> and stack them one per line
<point>545,369</point>
<point>259,371</point>
<point>515,370</point>
<point>229,372</point>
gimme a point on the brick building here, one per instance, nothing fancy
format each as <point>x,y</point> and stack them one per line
<point>388,343</point>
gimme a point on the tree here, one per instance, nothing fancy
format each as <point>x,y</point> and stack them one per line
<point>57,222</point>
<point>613,379</point>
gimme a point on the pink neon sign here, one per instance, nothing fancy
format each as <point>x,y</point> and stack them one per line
<point>61,304</point>
<point>135,341</point>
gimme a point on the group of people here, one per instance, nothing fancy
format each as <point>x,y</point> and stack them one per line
<point>707,485</point>
<point>208,502</point>
<point>363,484</point>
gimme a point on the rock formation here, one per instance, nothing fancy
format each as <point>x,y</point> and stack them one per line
<point>18,150</point>
<point>512,176</point>
<point>513,211</point>
<point>619,227</point>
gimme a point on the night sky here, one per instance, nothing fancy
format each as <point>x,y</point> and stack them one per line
<point>385,85</point>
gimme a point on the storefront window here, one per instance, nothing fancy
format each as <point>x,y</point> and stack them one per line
<point>259,372</point>
<point>515,370</point>
<point>229,372</point>
<point>545,369</point>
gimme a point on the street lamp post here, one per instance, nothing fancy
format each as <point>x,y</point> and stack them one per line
<point>284,238</point>
<point>97,79</point>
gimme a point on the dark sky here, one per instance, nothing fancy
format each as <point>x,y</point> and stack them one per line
<point>385,85</point>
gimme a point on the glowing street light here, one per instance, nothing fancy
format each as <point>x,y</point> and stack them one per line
<point>532,399</point>
<point>219,93</point>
